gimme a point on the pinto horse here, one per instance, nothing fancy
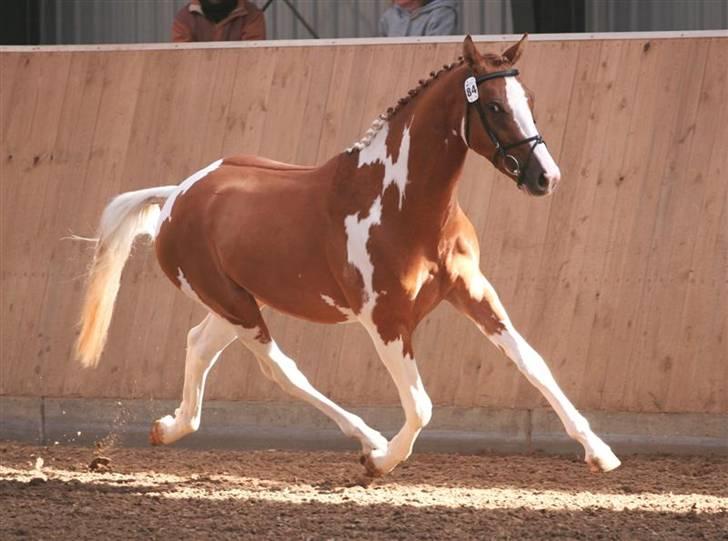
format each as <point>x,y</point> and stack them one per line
<point>374,235</point>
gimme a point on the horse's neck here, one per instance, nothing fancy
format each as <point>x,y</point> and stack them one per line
<point>422,150</point>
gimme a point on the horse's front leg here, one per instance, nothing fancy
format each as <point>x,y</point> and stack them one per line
<point>398,358</point>
<point>474,296</point>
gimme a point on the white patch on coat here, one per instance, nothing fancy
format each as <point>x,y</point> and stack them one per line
<point>190,181</point>
<point>346,312</point>
<point>357,237</point>
<point>518,102</point>
<point>358,229</point>
<point>186,288</point>
<point>463,135</point>
<point>394,172</point>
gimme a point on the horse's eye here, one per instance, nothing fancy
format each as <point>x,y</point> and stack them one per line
<point>494,107</point>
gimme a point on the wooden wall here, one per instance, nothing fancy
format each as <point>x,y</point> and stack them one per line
<point>620,279</point>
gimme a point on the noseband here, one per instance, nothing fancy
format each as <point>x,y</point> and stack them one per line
<point>510,162</point>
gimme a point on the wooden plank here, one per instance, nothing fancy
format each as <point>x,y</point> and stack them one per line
<point>97,183</point>
<point>674,233</point>
<point>640,115</point>
<point>34,161</point>
<point>624,114</point>
<point>655,195</point>
<point>589,108</point>
<point>699,378</point>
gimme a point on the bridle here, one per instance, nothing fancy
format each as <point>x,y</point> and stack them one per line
<point>510,162</point>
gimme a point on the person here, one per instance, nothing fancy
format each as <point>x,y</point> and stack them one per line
<point>419,18</point>
<point>218,20</point>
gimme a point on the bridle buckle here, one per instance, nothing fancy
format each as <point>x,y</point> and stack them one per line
<point>510,159</point>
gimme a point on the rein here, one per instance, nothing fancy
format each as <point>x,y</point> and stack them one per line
<point>472,97</point>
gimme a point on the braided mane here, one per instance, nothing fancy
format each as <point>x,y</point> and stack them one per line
<point>493,59</point>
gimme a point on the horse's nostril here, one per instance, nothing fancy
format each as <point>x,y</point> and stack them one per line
<point>542,182</point>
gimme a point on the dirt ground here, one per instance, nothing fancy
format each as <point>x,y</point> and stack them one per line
<point>167,493</point>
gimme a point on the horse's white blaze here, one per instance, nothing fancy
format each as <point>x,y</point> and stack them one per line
<point>395,172</point>
<point>518,103</point>
<point>190,181</point>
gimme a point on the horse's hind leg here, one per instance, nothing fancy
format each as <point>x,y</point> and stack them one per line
<point>205,342</point>
<point>283,370</point>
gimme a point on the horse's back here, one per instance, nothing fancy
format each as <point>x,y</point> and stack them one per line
<point>259,162</point>
<point>257,224</point>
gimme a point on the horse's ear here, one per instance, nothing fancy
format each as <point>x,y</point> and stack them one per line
<point>470,53</point>
<point>513,53</point>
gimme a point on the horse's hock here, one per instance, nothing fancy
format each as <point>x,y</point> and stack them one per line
<point>618,280</point>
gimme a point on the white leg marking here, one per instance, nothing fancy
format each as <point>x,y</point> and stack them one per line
<point>190,181</point>
<point>518,103</point>
<point>415,401</point>
<point>205,342</point>
<point>532,365</point>
<point>283,370</point>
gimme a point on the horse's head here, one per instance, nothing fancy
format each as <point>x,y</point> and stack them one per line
<point>499,120</point>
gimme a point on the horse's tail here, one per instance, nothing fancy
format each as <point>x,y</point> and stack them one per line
<point>127,216</point>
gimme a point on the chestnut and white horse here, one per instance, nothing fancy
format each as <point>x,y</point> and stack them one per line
<point>374,235</point>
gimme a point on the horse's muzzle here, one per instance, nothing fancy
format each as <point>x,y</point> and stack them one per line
<point>542,183</point>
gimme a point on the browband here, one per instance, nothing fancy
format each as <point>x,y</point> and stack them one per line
<point>496,74</point>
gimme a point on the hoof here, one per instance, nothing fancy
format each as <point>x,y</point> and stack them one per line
<point>156,434</point>
<point>369,466</point>
<point>604,464</point>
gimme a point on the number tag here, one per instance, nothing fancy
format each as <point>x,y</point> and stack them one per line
<point>471,90</point>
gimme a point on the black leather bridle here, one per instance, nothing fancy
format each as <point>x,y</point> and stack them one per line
<point>510,162</point>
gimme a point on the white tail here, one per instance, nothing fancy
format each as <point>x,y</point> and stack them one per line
<point>127,216</point>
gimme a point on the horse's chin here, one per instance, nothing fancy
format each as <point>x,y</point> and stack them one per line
<point>536,192</point>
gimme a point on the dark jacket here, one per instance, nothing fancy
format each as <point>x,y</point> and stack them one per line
<point>244,22</point>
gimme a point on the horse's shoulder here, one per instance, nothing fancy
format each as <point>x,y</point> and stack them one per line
<point>459,247</point>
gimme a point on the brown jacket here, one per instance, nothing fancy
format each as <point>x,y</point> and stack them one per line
<point>244,22</point>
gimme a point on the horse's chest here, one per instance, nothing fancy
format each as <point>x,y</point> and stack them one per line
<point>418,277</point>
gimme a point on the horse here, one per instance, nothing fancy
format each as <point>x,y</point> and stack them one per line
<point>375,235</point>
